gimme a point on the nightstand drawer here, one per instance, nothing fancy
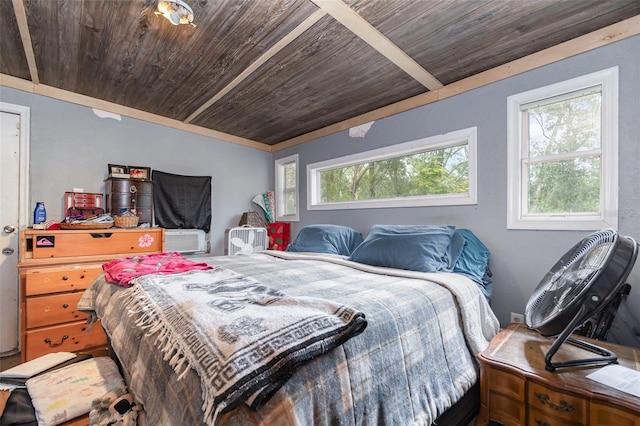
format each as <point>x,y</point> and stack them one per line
<point>605,415</point>
<point>539,418</point>
<point>506,384</point>
<point>59,279</point>
<point>558,404</point>
<point>71,337</point>
<point>507,411</point>
<point>55,309</point>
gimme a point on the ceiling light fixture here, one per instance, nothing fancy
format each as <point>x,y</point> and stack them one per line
<point>176,11</point>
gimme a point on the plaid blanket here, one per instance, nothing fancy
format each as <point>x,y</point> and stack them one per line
<point>243,338</point>
<point>415,359</point>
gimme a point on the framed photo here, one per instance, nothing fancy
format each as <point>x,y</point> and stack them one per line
<point>136,172</point>
<point>118,169</point>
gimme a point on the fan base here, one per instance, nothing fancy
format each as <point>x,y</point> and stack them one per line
<point>606,356</point>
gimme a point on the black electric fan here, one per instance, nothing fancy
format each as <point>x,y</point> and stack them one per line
<point>576,288</point>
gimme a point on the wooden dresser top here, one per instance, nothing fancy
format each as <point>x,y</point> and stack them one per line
<point>522,350</point>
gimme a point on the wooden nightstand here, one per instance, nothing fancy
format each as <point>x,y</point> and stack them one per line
<point>517,390</point>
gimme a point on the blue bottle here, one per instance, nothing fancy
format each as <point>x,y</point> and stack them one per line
<point>39,213</point>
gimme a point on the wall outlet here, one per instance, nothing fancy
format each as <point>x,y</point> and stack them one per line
<point>518,318</point>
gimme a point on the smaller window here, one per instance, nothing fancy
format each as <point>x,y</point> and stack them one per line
<point>562,169</point>
<point>287,189</point>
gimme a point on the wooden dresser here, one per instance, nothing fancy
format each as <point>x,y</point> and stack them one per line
<point>55,267</point>
<point>517,390</point>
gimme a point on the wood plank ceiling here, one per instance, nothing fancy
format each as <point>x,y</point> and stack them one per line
<point>271,72</point>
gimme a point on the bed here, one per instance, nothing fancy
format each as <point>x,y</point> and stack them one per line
<point>408,357</point>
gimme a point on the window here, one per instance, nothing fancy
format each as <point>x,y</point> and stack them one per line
<point>563,155</point>
<point>287,188</point>
<point>435,171</point>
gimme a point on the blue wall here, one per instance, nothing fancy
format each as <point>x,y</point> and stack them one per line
<point>71,147</point>
<point>519,258</point>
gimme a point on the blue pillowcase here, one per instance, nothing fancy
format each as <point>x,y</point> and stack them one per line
<point>424,248</point>
<point>474,258</point>
<point>333,239</point>
<point>474,261</point>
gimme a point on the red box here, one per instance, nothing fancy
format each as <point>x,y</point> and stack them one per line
<point>279,233</point>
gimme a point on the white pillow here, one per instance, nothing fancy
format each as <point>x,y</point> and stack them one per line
<point>68,392</point>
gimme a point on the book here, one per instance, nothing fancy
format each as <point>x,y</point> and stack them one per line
<point>35,366</point>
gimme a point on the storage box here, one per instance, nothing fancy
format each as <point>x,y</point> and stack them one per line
<point>83,204</point>
<point>279,233</point>
<point>82,200</point>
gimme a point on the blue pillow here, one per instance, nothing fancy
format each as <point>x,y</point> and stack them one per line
<point>474,261</point>
<point>424,248</point>
<point>475,256</point>
<point>333,239</point>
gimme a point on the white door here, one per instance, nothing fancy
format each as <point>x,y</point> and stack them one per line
<point>11,201</point>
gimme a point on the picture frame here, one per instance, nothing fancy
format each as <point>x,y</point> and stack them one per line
<point>118,169</point>
<point>137,172</point>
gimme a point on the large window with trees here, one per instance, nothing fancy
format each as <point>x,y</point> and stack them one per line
<point>439,170</point>
<point>563,155</point>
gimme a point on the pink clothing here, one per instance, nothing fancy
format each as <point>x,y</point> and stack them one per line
<point>122,271</point>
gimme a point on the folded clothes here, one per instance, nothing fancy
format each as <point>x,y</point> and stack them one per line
<point>123,271</point>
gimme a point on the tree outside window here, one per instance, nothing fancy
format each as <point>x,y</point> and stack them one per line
<point>438,170</point>
<point>562,151</point>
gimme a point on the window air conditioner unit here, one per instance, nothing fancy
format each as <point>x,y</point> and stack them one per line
<point>185,240</point>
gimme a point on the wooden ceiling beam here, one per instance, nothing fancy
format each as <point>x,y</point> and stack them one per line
<point>281,44</point>
<point>25,36</point>
<point>374,38</point>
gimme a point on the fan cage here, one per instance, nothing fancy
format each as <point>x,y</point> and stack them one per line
<point>569,280</point>
<point>613,259</point>
<point>244,233</point>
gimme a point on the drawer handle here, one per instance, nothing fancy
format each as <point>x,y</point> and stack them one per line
<point>65,278</point>
<point>66,305</point>
<point>53,345</point>
<point>563,406</point>
<point>101,235</point>
<point>542,423</point>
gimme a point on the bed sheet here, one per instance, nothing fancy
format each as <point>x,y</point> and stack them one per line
<point>414,360</point>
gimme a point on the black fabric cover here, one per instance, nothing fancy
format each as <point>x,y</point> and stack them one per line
<point>182,202</point>
<point>19,410</point>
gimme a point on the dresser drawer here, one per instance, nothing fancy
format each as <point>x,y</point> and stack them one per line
<point>507,411</point>
<point>506,384</point>
<point>55,309</point>
<point>106,242</point>
<point>539,418</point>
<point>561,405</point>
<point>71,337</point>
<point>604,415</point>
<point>60,279</point>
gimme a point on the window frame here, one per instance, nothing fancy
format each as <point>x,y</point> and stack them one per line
<point>516,142</point>
<point>433,142</point>
<point>280,198</point>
